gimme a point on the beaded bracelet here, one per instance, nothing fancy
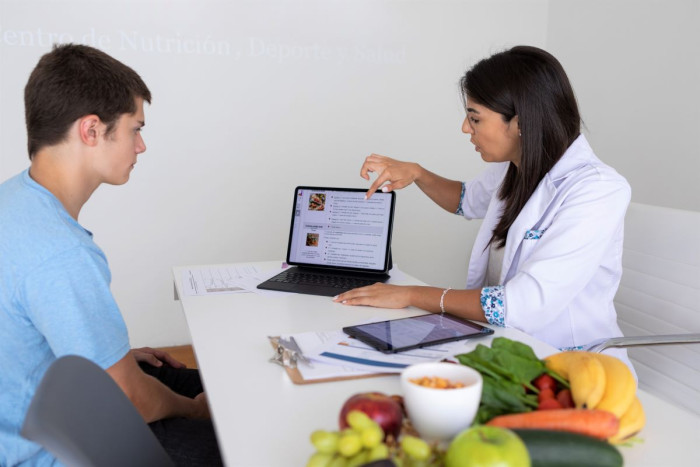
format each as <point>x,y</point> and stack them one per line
<point>442,300</point>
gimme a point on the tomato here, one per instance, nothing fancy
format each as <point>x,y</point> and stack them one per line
<point>545,394</point>
<point>545,381</point>
<point>549,404</point>
<point>565,399</point>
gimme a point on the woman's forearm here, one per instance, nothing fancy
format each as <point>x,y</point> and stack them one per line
<point>444,192</point>
<point>463,303</point>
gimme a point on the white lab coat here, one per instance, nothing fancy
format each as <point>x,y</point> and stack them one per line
<point>558,288</point>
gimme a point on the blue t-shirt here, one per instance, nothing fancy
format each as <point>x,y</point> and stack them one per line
<point>55,300</point>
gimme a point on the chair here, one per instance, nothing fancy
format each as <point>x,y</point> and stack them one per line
<point>659,295</point>
<point>81,416</point>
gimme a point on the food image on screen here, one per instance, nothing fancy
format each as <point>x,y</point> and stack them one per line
<point>317,201</point>
<point>311,239</point>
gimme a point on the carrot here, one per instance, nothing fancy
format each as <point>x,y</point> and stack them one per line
<point>597,423</point>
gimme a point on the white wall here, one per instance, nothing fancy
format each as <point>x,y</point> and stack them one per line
<point>635,67</point>
<point>233,129</point>
<point>231,133</point>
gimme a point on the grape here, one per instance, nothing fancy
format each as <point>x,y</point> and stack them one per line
<point>415,447</point>
<point>411,462</point>
<point>359,420</point>
<point>358,459</point>
<point>372,436</point>
<point>380,451</point>
<point>325,442</point>
<point>319,459</point>
<point>349,444</point>
<point>338,461</point>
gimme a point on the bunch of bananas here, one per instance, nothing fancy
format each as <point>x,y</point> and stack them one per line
<point>601,382</point>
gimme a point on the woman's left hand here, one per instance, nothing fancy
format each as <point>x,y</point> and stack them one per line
<point>377,295</point>
<point>155,357</point>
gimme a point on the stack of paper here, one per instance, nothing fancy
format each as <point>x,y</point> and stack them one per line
<point>237,278</point>
<point>335,354</point>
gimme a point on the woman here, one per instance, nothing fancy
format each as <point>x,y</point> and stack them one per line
<point>547,259</point>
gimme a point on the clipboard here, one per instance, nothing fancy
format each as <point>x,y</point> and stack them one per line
<point>287,357</point>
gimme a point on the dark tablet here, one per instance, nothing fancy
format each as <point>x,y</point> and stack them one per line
<point>402,334</point>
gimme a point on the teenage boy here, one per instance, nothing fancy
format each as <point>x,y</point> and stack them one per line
<point>84,115</point>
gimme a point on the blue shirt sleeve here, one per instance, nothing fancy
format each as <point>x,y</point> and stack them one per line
<point>69,301</point>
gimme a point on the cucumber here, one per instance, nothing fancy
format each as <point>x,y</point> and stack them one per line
<point>549,448</point>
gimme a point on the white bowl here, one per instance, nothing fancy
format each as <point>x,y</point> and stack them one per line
<point>440,414</point>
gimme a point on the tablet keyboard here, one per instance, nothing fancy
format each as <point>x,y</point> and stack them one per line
<point>339,281</point>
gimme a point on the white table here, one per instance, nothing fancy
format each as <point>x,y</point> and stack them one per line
<point>263,419</point>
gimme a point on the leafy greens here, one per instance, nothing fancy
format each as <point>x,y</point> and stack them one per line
<point>507,369</point>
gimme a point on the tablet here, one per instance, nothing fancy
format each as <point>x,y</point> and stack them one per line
<point>338,229</point>
<point>402,334</point>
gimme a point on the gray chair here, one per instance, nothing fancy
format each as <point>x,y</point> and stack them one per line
<point>81,416</point>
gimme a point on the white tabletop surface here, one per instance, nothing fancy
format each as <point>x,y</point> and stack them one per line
<point>263,419</point>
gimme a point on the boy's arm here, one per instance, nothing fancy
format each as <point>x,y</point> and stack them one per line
<point>153,399</point>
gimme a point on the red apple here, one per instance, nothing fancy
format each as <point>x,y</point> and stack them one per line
<point>379,407</point>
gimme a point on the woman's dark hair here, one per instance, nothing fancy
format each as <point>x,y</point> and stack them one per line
<point>72,81</point>
<point>530,83</point>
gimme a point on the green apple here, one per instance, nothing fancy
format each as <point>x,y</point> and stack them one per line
<point>487,446</point>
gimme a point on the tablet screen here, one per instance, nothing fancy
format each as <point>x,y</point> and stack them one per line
<point>418,331</point>
<point>337,228</point>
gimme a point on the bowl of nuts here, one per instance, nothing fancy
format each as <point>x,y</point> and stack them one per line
<point>441,398</point>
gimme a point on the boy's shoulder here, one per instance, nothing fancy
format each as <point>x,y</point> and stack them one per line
<point>34,226</point>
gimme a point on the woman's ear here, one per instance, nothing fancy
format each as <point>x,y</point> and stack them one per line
<point>514,126</point>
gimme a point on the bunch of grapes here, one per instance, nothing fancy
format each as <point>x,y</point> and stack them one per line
<point>360,444</point>
<point>363,442</point>
<point>415,452</point>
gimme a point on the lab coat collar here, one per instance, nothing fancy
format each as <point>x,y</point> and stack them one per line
<point>577,155</point>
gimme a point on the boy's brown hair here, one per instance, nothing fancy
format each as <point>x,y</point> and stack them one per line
<point>72,81</point>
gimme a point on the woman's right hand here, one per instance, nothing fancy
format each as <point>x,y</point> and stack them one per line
<point>398,174</point>
<point>378,295</point>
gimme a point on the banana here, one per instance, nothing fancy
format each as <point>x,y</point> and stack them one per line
<point>588,381</point>
<point>601,382</point>
<point>559,363</point>
<point>620,385</point>
<point>585,373</point>
<point>631,422</point>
